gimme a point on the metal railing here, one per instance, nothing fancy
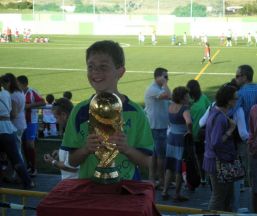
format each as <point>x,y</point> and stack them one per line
<point>24,194</point>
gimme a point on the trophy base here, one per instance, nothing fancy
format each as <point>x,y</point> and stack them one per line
<point>106,175</point>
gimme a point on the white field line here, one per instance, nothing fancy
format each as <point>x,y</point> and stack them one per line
<point>85,44</point>
<point>128,71</point>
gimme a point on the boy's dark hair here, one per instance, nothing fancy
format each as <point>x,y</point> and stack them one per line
<point>62,105</point>
<point>247,71</point>
<point>159,72</point>
<point>179,94</point>
<point>111,48</point>
<point>50,98</point>
<point>194,89</point>
<point>224,94</point>
<point>67,94</point>
<point>23,79</point>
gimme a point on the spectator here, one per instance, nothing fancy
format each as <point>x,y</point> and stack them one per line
<point>49,120</point>
<point>240,136</point>
<point>9,82</point>
<point>33,101</point>
<point>180,126</point>
<point>247,94</point>
<point>156,107</point>
<point>8,140</point>
<point>197,109</point>
<point>105,66</point>
<point>61,110</point>
<point>68,95</point>
<point>252,147</point>
<point>219,144</point>
<point>247,97</point>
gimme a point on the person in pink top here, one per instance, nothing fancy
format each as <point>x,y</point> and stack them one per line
<point>252,148</point>
<point>33,101</point>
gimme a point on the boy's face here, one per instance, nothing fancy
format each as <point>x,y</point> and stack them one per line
<point>102,73</point>
<point>22,86</point>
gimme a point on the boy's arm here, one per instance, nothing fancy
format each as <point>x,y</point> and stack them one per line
<point>78,156</point>
<point>134,155</point>
<point>138,157</point>
<point>39,101</point>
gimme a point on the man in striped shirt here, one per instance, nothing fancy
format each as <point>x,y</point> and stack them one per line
<point>33,101</point>
<point>248,90</point>
<point>247,97</point>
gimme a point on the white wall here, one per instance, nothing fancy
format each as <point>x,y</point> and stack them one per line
<point>126,25</point>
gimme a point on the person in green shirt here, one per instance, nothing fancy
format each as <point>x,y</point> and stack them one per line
<point>105,67</point>
<point>200,103</point>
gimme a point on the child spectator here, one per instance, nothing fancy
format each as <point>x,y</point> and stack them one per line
<point>49,120</point>
<point>61,110</point>
<point>33,101</point>
<point>68,95</point>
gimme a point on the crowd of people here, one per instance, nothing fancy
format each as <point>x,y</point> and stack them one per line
<point>229,133</point>
<point>26,36</point>
<point>19,106</point>
<point>163,137</point>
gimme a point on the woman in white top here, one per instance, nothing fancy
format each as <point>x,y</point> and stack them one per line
<point>8,139</point>
<point>10,84</point>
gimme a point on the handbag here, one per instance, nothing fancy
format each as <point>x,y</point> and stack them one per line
<point>229,171</point>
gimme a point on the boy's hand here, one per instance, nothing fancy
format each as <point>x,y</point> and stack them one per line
<point>120,139</point>
<point>93,143</point>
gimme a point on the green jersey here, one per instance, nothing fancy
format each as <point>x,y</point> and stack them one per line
<point>197,110</point>
<point>136,127</point>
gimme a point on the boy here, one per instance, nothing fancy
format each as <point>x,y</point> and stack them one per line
<point>33,101</point>
<point>207,53</point>
<point>105,66</point>
<point>49,120</point>
<point>61,110</point>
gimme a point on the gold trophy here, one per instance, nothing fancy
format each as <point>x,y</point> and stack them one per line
<point>104,120</point>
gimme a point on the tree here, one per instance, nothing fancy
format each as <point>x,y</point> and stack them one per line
<point>198,10</point>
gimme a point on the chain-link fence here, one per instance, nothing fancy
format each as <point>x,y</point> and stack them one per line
<point>185,8</point>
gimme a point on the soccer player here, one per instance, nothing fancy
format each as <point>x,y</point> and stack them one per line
<point>207,53</point>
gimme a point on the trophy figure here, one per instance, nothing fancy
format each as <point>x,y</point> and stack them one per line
<point>104,120</point>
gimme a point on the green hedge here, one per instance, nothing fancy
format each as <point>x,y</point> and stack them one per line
<point>249,9</point>
<point>197,9</point>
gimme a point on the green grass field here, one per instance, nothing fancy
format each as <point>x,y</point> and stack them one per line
<point>60,65</point>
